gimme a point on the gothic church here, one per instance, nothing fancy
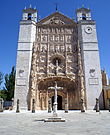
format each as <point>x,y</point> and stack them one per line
<point>58,49</point>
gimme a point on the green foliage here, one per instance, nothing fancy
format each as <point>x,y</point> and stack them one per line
<point>10,84</point>
<point>3,94</point>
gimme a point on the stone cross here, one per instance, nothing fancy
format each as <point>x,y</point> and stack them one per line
<point>1,105</point>
<point>17,109</point>
<point>56,8</point>
<point>49,106</point>
<point>97,105</point>
<point>33,106</point>
<point>55,97</point>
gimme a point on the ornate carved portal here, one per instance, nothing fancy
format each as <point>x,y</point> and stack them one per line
<point>56,57</point>
<point>43,94</point>
<point>69,92</point>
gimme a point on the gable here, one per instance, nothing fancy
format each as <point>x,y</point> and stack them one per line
<point>56,19</point>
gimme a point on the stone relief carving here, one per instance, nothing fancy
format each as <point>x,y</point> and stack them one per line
<point>92,72</point>
<point>43,48</point>
<point>93,81</point>
<point>44,38</point>
<point>54,38</point>
<point>44,31</point>
<point>56,20</point>
<point>38,38</point>
<point>68,39</point>
<point>21,72</point>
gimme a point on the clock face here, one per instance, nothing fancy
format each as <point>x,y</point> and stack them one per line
<point>88,30</point>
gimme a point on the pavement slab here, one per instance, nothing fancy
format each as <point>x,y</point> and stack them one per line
<point>77,123</point>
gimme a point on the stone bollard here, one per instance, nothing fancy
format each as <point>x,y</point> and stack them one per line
<point>33,106</point>
<point>109,104</point>
<point>82,106</point>
<point>49,106</point>
<point>97,105</point>
<point>17,109</point>
<point>66,106</point>
<point>1,105</point>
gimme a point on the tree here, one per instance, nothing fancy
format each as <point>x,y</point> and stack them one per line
<point>3,94</point>
<point>1,78</point>
<point>10,84</point>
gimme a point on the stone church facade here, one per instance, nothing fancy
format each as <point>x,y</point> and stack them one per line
<point>57,49</point>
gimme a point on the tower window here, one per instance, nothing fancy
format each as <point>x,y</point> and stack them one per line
<point>29,16</point>
<point>83,17</point>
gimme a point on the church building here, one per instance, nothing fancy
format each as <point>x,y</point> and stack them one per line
<point>58,49</point>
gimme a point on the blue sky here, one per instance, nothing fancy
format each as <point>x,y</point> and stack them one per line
<point>11,13</point>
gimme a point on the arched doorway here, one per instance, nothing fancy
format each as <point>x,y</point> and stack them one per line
<point>59,101</point>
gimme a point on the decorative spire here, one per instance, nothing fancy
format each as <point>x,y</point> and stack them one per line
<point>25,8</point>
<point>35,7</point>
<point>30,6</point>
<point>82,5</point>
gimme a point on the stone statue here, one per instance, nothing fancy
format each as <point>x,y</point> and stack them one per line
<point>56,67</point>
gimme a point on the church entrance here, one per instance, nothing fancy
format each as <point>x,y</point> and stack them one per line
<point>59,101</point>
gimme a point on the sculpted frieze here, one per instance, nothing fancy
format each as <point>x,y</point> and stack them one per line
<point>43,47</point>
<point>56,20</point>
<point>68,38</point>
<point>44,38</point>
<point>38,38</point>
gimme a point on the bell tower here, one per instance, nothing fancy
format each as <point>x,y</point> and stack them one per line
<point>30,14</point>
<point>90,56</point>
<point>83,14</point>
<point>26,40</point>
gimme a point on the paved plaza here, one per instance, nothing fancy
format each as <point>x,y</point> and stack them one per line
<point>77,123</point>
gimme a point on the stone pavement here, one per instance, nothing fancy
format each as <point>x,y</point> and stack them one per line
<point>77,123</point>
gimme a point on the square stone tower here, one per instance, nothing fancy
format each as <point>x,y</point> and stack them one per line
<point>27,34</point>
<point>90,56</point>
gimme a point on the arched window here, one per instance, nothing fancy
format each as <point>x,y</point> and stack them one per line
<point>83,17</point>
<point>29,16</point>
<point>55,60</point>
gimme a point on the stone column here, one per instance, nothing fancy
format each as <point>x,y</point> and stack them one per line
<point>47,99</point>
<point>37,97</point>
<point>33,106</point>
<point>17,109</point>
<point>48,57</point>
<point>66,104</point>
<point>82,106</point>
<point>1,105</point>
<point>81,79</point>
<point>49,106</point>
<point>109,104</point>
<point>33,76</point>
<point>97,105</point>
<point>55,102</point>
